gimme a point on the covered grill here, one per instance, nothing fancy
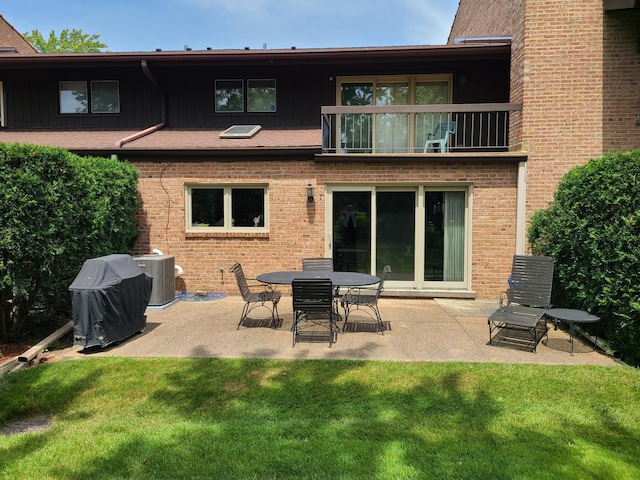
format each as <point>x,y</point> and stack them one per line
<point>109,297</point>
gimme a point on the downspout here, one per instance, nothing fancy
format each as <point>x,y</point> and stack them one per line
<point>521,208</point>
<point>163,110</point>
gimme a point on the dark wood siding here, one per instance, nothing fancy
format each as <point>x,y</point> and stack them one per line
<point>32,99</point>
<point>32,94</point>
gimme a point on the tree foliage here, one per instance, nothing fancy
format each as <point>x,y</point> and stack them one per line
<point>57,210</point>
<point>592,229</point>
<point>69,41</point>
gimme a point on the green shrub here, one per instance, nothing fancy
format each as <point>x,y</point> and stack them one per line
<point>592,229</point>
<point>56,210</point>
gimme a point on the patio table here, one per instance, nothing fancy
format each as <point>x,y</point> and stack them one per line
<point>338,279</point>
<point>572,316</point>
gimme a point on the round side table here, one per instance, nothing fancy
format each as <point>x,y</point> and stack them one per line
<point>572,316</point>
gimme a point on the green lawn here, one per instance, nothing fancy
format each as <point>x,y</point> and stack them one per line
<point>262,419</point>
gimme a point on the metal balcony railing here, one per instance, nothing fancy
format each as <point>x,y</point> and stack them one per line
<point>420,129</point>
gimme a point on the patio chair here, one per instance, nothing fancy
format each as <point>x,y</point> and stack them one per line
<point>440,137</point>
<point>323,264</point>
<point>317,264</point>
<point>253,299</point>
<point>312,305</point>
<point>519,320</point>
<point>358,297</point>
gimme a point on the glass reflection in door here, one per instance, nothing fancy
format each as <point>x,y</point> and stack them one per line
<point>352,231</point>
<point>395,233</point>
<point>444,236</point>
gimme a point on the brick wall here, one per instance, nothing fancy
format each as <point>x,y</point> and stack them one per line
<point>562,95</point>
<point>486,18</point>
<point>575,69</point>
<point>297,227</point>
<point>621,80</point>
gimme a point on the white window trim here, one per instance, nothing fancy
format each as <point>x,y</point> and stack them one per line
<point>420,188</point>
<point>228,220</point>
<point>411,80</point>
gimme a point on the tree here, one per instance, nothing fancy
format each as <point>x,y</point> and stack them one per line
<point>57,209</point>
<point>592,229</point>
<point>69,41</point>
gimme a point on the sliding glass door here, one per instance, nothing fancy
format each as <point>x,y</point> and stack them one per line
<point>422,232</point>
<point>444,235</point>
<point>389,132</point>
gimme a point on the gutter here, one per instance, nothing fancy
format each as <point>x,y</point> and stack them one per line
<point>163,110</point>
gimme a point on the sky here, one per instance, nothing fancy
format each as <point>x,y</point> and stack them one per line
<point>145,25</point>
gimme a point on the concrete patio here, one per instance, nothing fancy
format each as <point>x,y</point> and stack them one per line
<point>441,330</point>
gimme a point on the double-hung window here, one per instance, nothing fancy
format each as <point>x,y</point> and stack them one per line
<point>76,97</point>
<point>226,207</point>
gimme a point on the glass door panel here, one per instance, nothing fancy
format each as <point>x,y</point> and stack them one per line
<point>396,233</point>
<point>356,129</point>
<point>392,129</point>
<point>351,234</point>
<point>444,252</point>
<point>429,93</point>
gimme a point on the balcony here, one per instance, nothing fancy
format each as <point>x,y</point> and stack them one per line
<point>462,130</point>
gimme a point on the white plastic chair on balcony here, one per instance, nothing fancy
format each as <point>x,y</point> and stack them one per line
<point>439,139</point>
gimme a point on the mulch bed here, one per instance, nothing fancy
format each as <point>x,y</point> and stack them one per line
<point>10,350</point>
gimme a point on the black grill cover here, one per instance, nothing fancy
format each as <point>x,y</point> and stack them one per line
<point>109,297</point>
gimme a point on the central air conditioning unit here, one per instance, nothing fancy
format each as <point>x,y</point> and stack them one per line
<point>161,269</point>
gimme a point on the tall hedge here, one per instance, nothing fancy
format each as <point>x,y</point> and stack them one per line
<point>56,210</point>
<point>592,229</point>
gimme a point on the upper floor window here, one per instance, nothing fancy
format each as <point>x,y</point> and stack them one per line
<point>75,96</point>
<point>229,96</point>
<point>260,96</point>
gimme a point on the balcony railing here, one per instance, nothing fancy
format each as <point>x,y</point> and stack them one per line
<point>420,129</point>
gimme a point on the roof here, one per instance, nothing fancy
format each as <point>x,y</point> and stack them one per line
<point>269,56</point>
<point>167,139</point>
<point>207,141</point>
<point>12,40</point>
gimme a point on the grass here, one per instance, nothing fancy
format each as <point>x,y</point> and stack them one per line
<point>271,419</point>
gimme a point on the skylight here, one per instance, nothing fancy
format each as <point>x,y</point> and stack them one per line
<point>240,131</point>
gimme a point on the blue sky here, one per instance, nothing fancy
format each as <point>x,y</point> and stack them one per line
<point>144,25</point>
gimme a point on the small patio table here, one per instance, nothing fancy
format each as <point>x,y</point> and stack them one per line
<point>572,316</point>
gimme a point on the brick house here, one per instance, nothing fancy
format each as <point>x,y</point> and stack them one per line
<point>429,158</point>
<point>575,68</point>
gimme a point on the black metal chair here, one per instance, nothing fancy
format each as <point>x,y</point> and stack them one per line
<point>317,264</point>
<point>323,264</point>
<point>519,320</point>
<point>255,299</point>
<point>312,305</point>
<point>358,297</point>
